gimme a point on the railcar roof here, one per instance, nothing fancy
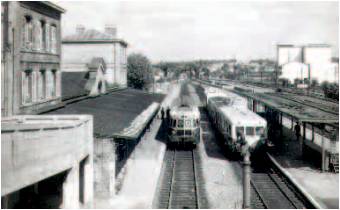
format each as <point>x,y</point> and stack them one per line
<point>234,108</point>
<point>190,111</point>
<point>242,116</point>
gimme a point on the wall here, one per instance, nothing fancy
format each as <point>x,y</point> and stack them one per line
<point>76,56</point>
<point>120,65</point>
<point>104,167</point>
<point>29,154</point>
<point>288,54</point>
<point>294,70</point>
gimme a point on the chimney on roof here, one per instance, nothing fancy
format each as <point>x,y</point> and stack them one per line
<point>111,29</point>
<point>80,29</point>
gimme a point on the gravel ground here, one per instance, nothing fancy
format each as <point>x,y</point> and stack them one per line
<point>223,177</point>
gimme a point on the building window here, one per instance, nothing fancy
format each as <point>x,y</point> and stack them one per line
<point>27,86</point>
<point>47,38</point>
<point>53,38</point>
<point>54,83</point>
<point>42,85</point>
<point>28,32</point>
<point>43,35</point>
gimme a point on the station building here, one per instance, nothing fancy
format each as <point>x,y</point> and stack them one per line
<point>85,44</point>
<point>307,62</point>
<point>30,64</point>
<point>46,161</point>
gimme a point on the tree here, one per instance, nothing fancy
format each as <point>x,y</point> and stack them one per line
<point>206,72</point>
<point>314,83</point>
<point>297,81</point>
<point>139,71</point>
<point>331,90</point>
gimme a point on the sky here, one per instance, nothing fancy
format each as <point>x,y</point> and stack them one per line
<point>185,30</point>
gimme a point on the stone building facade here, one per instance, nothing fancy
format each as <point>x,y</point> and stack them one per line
<point>30,73</point>
<point>80,48</point>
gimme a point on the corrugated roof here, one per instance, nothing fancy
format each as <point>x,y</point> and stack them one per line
<point>112,112</point>
<point>304,111</point>
<point>73,84</point>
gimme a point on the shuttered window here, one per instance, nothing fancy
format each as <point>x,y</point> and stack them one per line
<point>27,87</point>
<point>27,32</point>
<point>53,30</point>
<point>54,83</point>
<point>42,84</point>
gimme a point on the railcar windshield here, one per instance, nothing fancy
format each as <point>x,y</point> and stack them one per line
<point>259,131</point>
<point>180,124</point>
<point>188,123</point>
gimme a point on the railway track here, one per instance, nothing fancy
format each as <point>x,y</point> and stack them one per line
<point>179,185</point>
<point>272,190</point>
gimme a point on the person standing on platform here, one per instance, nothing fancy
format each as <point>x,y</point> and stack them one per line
<point>162,113</point>
<point>297,131</point>
<point>168,114</point>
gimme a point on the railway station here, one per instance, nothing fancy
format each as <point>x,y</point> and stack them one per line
<point>89,121</point>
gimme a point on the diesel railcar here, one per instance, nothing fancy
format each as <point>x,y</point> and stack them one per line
<point>236,123</point>
<point>184,126</point>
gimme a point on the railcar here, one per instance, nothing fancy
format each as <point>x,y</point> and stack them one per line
<point>236,123</point>
<point>184,126</point>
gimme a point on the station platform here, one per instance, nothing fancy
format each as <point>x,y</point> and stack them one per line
<point>305,171</point>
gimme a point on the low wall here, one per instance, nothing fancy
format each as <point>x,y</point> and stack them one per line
<point>34,148</point>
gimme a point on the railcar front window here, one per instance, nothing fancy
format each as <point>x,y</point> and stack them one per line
<point>187,123</point>
<point>180,132</point>
<point>180,123</point>
<point>250,131</point>
<point>173,123</point>
<point>259,131</point>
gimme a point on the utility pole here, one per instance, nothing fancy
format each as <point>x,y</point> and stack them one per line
<point>246,177</point>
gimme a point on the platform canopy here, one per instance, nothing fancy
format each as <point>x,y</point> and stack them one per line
<point>302,108</point>
<point>120,114</point>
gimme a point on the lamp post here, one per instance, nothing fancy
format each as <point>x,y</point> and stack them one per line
<point>246,176</point>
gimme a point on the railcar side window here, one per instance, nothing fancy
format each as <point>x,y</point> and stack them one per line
<point>259,131</point>
<point>239,130</point>
<point>250,131</point>
<point>180,123</point>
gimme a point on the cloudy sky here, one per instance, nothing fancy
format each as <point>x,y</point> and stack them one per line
<point>184,30</point>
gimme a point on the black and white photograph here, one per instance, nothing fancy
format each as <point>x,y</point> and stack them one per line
<point>170,104</point>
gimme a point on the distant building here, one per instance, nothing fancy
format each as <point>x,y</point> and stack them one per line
<point>30,64</point>
<point>80,48</point>
<point>307,63</point>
